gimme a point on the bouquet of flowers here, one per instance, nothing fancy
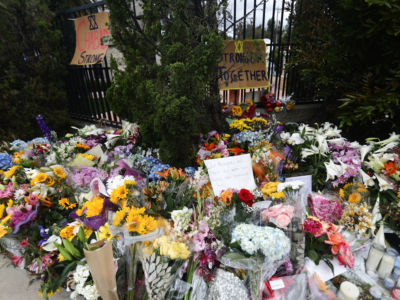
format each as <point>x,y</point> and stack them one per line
<point>160,261</point>
<point>256,249</point>
<point>324,241</point>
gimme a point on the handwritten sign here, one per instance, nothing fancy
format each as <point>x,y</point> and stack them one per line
<point>89,31</point>
<point>243,65</point>
<point>230,172</point>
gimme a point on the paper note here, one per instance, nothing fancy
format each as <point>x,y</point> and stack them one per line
<point>233,172</point>
<point>323,270</point>
<point>277,284</point>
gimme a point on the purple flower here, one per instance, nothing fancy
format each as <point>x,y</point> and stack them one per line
<point>84,175</point>
<point>43,127</point>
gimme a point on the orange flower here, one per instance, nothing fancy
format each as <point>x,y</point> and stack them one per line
<point>46,202</point>
<point>236,150</point>
<point>354,197</point>
<point>209,147</point>
<point>226,197</point>
<point>390,168</point>
<point>335,239</point>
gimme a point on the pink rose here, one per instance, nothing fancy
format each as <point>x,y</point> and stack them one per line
<point>282,221</point>
<point>279,214</point>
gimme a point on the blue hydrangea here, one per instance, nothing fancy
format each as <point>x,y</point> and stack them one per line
<point>157,168</point>
<point>18,145</point>
<point>190,171</point>
<point>5,161</point>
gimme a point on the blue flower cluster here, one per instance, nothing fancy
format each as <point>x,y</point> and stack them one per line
<point>149,165</point>
<point>190,171</point>
<point>39,140</point>
<point>252,137</point>
<point>157,168</point>
<point>5,161</point>
<point>18,145</point>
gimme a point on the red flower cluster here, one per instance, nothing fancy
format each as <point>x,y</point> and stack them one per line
<point>246,197</point>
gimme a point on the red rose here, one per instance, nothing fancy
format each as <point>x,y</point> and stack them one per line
<point>246,197</point>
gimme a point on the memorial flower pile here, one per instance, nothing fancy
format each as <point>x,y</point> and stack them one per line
<point>168,228</point>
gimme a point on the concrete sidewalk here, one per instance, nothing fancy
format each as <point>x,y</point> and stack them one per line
<point>15,284</point>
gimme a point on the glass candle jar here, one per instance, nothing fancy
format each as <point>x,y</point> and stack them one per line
<point>386,265</point>
<point>374,257</point>
<point>389,283</point>
<point>396,273</point>
<point>375,292</point>
<point>348,291</point>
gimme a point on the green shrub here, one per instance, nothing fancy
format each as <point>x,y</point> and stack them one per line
<point>32,70</point>
<point>347,50</point>
<point>177,98</point>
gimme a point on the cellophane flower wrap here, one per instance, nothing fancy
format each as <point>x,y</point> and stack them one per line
<point>259,250</point>
<point>160,262</point>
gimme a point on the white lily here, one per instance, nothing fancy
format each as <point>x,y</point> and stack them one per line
<point>285,136</point>
<point>383,184</point>
<point>322,143</point>
<point>295,139</point>
<point>367,180</point>
<point>306,152</point>
<point>387,147</point>
<point>333,170</point>
<point>338,141</point>
<point>392,138</point>
<point>49,244</point>
<point>364,149</point>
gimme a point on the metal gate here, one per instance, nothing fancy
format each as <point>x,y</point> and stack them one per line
<point>87,85</point>
<point>271,20</point>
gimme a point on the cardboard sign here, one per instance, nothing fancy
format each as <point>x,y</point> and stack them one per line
<point>243,65</point>
<point>89,31</point>
<point>232,172</point>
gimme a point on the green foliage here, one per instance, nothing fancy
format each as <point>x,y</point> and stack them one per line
<point>32,70</point>
<point>173,97</point>
<point>347,50</point>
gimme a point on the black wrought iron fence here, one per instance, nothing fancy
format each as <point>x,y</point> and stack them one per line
<point>87,85</point>
<point>271,20</point>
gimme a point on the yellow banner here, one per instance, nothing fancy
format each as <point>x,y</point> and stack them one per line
<point>243,65</point>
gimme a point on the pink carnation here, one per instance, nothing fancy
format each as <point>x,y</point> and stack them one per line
<point>324,209</point>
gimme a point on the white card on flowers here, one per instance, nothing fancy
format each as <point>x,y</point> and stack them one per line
<point>234,172</point>
<point>306,189</point>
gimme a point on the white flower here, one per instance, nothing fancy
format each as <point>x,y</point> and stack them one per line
<point>338,141</point>
<point>31,173</point>
<point>331,131</point>
<point>306,152</point>
<point>367,180</point>
<point>294,185</point>
<point>387,147</point>
<point>181,218</point>
<point>285,136</point>
<point>322,143</point>
<point>383,184</point>
<point>49,244</point>
<point>295,139</point>
<point>19,194</point>
<point>364,149</point>
<point>333,170</point>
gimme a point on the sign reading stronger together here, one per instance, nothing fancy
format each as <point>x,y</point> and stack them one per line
<point>89,31</point>
<point>243,65</point>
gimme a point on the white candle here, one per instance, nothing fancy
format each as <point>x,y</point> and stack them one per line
<point>374,257</point>
<point>386,266</point>
<point>348,291</point>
